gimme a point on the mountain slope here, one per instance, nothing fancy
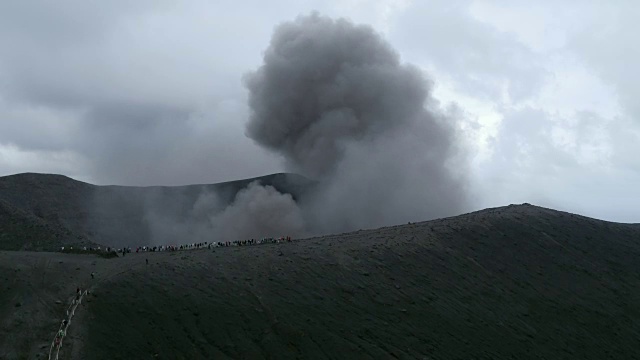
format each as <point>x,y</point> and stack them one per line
<point>514,282</point>
<point>20,230</point>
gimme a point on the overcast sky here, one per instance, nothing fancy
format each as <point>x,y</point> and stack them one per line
<point>151,92</point>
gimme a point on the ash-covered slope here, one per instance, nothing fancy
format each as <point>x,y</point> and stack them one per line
<point>20,230</point>
<point>42,212</point>
<point>514,282</point>
<point>107,215</point>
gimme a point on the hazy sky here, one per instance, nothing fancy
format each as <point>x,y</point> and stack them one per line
<point>152,93</point>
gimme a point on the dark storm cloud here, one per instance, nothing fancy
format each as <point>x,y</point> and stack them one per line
<point>334,99</point>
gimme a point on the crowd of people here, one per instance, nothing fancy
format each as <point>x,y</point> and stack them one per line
<point>192,246</point>
<point>209,245</point>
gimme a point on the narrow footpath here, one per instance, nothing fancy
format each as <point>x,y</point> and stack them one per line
<point>56,344</point>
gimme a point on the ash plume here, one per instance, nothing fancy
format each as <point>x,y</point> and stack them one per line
<point>334,99</point>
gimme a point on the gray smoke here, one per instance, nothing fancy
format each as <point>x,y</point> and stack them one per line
<point>256,211</point>
<point>324,85</point>
<point>259,211</point>
<point>178,219</point>
<point>335,101</point>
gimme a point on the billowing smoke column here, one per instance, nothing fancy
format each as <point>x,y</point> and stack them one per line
<point>324,85</point>
<point>334,99</point>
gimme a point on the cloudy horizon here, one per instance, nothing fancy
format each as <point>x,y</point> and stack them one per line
<point>153,93</point>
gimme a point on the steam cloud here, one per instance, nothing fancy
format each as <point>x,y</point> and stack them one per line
<point>335,101</point>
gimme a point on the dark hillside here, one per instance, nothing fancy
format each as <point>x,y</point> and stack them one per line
<point>55,199</point>
<point>514,282</point>
<point>20,230</point>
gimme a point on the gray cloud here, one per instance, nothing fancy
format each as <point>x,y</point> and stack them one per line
<point>480,59</point>
<point>99,84</point>
<point>164,146</point>
<point>553,161</point>
<point>334,99</point>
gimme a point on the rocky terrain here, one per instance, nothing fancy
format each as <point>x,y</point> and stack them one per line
<point>516,282</point>
<point>22,230</point>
